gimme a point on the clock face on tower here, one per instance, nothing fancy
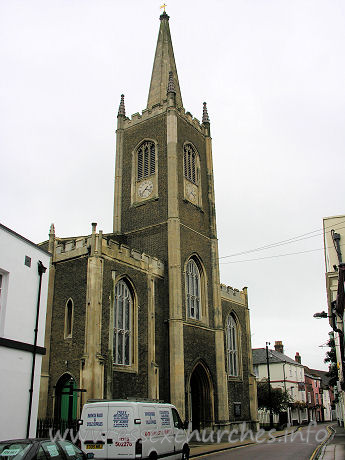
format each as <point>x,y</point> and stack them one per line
<point>145,189</point>
<point>191,192</point>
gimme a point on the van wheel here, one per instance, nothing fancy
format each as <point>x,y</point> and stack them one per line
<point>185,454</point>
<point>153,456</point>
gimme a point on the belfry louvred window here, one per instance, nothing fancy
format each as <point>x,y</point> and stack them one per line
<point>189,161</point>
<point>123,304</point>
<point>146,162</point>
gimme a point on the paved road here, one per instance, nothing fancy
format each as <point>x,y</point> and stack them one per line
<point>298,446</point>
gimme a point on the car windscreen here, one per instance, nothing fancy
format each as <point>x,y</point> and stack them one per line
<point>13,450</point>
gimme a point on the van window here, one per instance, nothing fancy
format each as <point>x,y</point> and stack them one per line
<point>177,421</point>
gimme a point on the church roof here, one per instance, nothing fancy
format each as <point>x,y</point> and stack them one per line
<point>164,63</point>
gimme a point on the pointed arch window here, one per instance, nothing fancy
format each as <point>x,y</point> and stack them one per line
<point>193,290</point>
<point>190,163</point>
<point>123,306</point>
<point>69,312</point>
<point>146,160</point>
<point>232,347</point>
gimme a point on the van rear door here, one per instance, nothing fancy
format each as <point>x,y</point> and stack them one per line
<point>92,432</point>
<point>122,431</point>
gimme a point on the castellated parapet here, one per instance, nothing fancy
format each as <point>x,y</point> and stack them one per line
<point>159,109</point>
<point>233,294</point>
<point>101,245</point>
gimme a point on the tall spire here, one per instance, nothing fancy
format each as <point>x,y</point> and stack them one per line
<point>163,64</point>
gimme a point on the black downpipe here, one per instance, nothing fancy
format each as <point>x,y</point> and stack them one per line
<point>41,269</point>
<point>341,339</point>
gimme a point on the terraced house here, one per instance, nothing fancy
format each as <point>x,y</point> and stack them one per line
<point>140,312</point>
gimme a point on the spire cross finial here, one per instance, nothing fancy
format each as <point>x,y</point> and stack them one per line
<point>163,6</point>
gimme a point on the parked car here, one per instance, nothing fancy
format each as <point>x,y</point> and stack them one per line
<point>41,449</point>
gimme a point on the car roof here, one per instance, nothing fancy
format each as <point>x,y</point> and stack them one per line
<point>26,440</point>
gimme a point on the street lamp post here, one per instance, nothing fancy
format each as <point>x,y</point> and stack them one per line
<point>288,409</point>
<point>269,386</point>
<point>333,316</point>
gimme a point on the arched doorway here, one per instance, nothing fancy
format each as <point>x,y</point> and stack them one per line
<point>66,398</point>
<point>201,398</point>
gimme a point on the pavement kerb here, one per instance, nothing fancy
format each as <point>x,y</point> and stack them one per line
<point>320,448</point>
<point>211,449</point>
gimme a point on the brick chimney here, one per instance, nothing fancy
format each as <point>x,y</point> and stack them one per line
<point>298,358</point>
<point>278,346</point>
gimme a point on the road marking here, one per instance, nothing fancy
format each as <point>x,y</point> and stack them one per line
<point>316,450</point>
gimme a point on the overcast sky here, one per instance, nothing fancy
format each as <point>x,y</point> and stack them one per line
<point>272,73</point>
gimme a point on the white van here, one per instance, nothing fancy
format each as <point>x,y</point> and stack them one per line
<point>132,430</point>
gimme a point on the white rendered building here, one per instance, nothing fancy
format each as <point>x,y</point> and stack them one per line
<point>285,373</point>
<point>327,404</point>
<point>23,291</point>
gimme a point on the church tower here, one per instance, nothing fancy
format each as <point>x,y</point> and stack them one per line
<point>164,205</point>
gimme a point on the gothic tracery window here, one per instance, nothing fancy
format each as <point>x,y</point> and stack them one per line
<point>123,304</point>
<point>232,346</point>
<point>190,163</point>
<point>193,290</point>
<point>146,160</point>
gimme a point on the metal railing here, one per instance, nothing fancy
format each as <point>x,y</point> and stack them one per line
<point>50,427</point>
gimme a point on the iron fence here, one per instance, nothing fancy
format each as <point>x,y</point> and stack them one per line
<point>50,427</point>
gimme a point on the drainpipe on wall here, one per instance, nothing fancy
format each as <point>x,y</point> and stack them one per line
<point>41,269</point>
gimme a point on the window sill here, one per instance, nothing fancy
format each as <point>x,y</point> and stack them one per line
<point>237,378</point>
<point>127,369</point>
<point>194,321</point>
<point>194,205</point>
<point>198,325</point>
<point>136,204</point>
<point>197,322</point>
